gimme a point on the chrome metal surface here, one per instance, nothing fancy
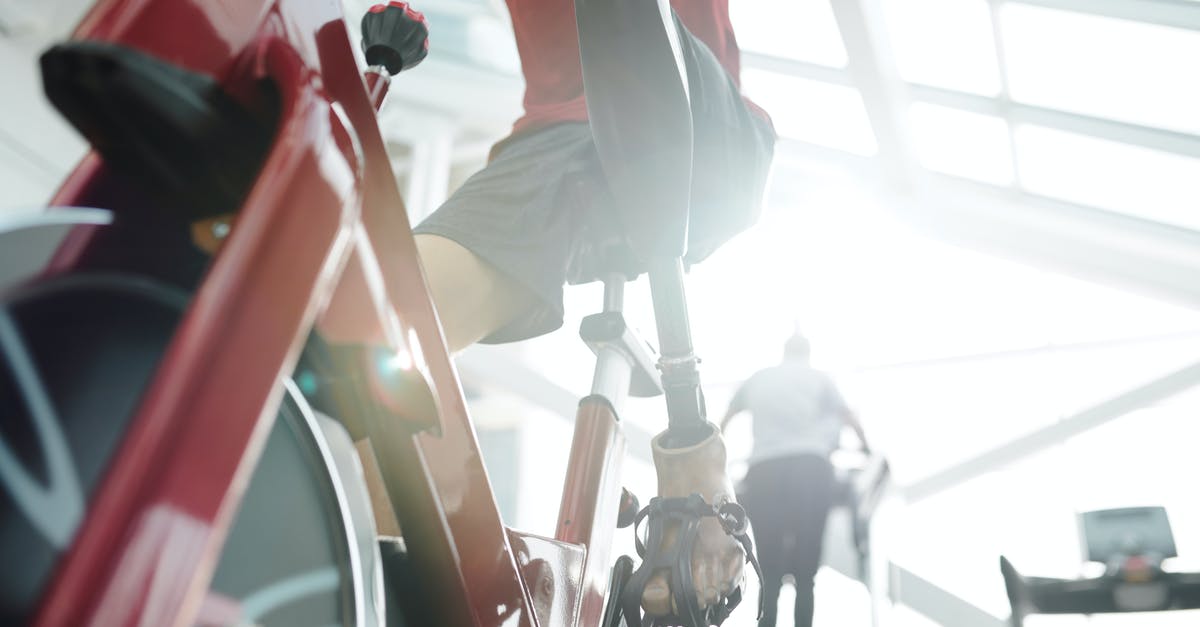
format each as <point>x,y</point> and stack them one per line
<point>612,375</point>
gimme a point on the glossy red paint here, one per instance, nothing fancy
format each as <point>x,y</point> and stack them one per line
<point>155,525</point>
<point>591,498</point>
<point>377,86</point>
<point>323,235</point>
<point>443,467</point>
<point>201,424</point>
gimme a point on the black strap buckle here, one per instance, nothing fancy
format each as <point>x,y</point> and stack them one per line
<point>678,559</point>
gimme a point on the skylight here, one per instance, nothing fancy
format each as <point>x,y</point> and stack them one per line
<point>804,30</point>
<point>1138,181</point>
<point>1129,71</point>
<point>812,111</point>
<point>944,43</point>
<point>971,145</point>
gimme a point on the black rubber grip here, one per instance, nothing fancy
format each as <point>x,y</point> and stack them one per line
<point>395,36</point>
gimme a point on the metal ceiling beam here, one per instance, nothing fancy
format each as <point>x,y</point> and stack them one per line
<point>797,68</point>
<point>1133,254</point>
<point>934,602</point>
<point>1174,142</point>
<point>872,66</point>
<point>1054,434</point>
<point>1101,128</point>
<point>1005,95</point>
<point>1174,13</point>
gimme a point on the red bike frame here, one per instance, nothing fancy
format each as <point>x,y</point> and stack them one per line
<point>322,241</point>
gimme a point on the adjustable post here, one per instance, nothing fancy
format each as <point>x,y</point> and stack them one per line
<point>687,420</point>
<point>613,366</point>
<point>614,293</point>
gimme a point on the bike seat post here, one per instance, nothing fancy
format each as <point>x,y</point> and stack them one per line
<point>614,293</point>
<point>614,369</point>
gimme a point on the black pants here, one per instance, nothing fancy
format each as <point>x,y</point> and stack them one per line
<point>788,499</point>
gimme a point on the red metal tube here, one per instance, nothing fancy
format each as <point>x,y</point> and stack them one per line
<point>378,80</point>
<point>591,498</point>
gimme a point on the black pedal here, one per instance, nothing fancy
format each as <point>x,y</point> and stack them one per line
<point>621,573</point>
<point>628,510</point>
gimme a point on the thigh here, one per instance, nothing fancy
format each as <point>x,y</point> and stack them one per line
<point>767,519</point>
<point>473,297</point>
<point>766,495</point>
<point>519,216</point>
<point>813,478</point>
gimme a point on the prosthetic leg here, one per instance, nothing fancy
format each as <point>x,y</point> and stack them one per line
<point>636,85</point>
<point>697,536</point>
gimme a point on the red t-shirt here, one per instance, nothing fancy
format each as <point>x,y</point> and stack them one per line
<point>549,47</point>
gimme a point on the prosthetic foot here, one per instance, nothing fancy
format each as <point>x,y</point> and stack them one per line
<point>696,540</point>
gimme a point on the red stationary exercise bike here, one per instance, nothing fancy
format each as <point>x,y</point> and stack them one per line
<point>230,267</point>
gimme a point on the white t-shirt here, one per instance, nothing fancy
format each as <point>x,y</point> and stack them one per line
<point>795,409</point>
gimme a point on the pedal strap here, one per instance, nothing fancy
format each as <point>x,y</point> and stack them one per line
<point>687,512</point>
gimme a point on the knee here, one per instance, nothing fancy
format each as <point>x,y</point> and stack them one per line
<point>456,276</point>
<point>473,299</point>
<point>443,258</point>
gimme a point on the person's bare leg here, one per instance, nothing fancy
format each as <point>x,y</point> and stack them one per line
<point>472,300</point>
<point>471,297</point>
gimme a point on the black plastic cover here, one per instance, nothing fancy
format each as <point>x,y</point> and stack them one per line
<point>173,130</point>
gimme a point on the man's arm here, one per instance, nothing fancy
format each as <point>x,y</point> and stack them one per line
<point>736,406</point>
<point>851,420</point>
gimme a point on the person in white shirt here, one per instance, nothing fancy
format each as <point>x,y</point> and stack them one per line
<point>797,414</point>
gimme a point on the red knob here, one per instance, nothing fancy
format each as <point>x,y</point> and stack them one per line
<point>395,35</point>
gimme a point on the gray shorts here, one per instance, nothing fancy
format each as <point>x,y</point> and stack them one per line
<point>536,211</point>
